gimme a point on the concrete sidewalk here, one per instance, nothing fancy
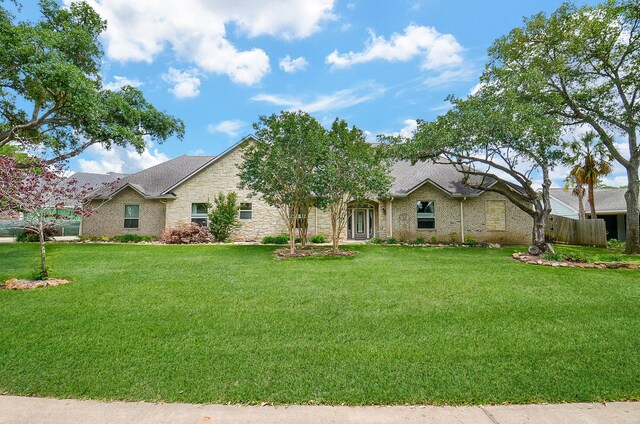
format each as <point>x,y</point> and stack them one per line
<point>20,410</point>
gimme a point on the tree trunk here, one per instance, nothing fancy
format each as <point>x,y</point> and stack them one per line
<point>43,254</point>
<point>633,213</point>
<point>538,240</point>
<point>292,239</point>
<point>592,202</point>
<point>581,213</point>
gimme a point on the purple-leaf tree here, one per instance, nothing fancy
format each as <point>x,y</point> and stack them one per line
<point>44,196</point>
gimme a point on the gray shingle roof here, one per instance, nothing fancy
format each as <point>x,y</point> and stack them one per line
<point>155,181</point>
<point>407,177</point>
<point>607,200</point>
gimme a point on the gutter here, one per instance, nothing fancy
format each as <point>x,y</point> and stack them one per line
<point>462,219</point>
<point>391,217</point>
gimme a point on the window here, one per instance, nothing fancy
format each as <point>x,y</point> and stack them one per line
<point>246,211</point>
<point>131,216</point>
<point>426,215</point>
<point>199,214</point>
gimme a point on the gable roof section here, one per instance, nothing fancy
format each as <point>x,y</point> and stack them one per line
<point>154,182</point>
<point>408,177</point>
<point>608,200</point>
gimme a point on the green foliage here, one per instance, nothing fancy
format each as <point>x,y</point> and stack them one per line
<point>420,240</point>
<point>27,237</point>
<point>283,164</point>
<point>616,245</point>
<point>132,238</point>
<point>279,239</point>
<point>223,218</point>
<point>51,90</point>
<point>554,256</point>
<point>470,240</point>
<point>392,240</point>
<point>582,66</point>
<point>434,239</point>
<point>318,238</point>
<point>376,240</point>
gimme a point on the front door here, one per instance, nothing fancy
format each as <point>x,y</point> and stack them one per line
<point>360,224</point>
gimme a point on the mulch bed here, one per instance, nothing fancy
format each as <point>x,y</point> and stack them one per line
<point>311,252</point>
<point>537,260</point>
<point>15,284</point>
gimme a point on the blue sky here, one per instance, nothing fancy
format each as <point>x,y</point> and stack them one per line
<point>219,65</point>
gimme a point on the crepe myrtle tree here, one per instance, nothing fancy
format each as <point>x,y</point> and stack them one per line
<point>283,165</point>
<point>52,100</point>
<point>500,144</point>
<point>39,191</point>
<point>352,171</point>
<point>583,65</point>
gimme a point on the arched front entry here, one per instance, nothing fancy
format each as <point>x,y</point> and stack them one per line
<point>361,222</point>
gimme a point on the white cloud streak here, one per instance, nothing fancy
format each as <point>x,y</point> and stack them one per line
<point>232,127</point>
<point>439,51</point>
<point>185,83</point>
<point>99,160</point>
<point>290,66</point>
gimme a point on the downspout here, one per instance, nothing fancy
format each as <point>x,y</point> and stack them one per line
<point>316,232</point>
<point>462,219</point>
<point>391,217</point>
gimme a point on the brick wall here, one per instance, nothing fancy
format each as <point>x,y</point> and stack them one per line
<point>109,217</point>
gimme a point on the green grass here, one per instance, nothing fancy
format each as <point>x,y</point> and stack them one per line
<point>391,325</point>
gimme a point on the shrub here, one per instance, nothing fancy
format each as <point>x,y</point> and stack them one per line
<point>470,240</point>
<point>186,234</point>
<point>392,240</point>
<point>376,240</point>
<point>224,216</point>
<point>420,240</point>
<point>615,244</point>
<point>132,238</point>
<point>30,236</point>
<point>576,257</point>
<point>453,237</point>
<point>318,238</point>
<point>555,256</point>
<point>434,239</point>
<point>279,239</point>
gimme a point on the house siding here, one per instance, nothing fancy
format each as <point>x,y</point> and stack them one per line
<point>222,176</point>
<point>108,220</point>
<point>517,224</point>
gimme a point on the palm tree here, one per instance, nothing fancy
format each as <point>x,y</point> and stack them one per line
<point>578,190</point>
<point>591,160</point>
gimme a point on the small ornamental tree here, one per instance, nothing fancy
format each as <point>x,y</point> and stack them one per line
<point>501,144</point>
<point>283,166</point>
<point>223,218</point>
<point>51,92</point>
<point>39,190</point>
<point>352,171</point>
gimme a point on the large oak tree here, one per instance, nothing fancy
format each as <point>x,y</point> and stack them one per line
<point>52,100</point>
<point>583,65</point>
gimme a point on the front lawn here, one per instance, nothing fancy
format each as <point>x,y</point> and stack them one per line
<point>390,325</point>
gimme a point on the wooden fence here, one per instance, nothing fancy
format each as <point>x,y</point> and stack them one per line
<point>582,232</point>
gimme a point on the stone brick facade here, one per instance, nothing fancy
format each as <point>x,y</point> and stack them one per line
<point>488,217</point>
<point>109,217</point>
<point>481,218</point>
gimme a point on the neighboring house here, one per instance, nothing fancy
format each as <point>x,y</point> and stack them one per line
<point>610,206</point>
<point>426,200</point>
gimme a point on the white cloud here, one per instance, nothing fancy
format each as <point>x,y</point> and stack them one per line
<point>185,83</point>
<point>341,99</point>
<point>410,125</point>
<point>450,76</point>
<point>195,30</point>
<point>119,82</point>
<point>232,127</point>
<point>439,51</point>
<point>293,65</point>
<point>99,160</point>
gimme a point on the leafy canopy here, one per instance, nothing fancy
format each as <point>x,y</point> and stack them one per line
<point>51,93</point>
